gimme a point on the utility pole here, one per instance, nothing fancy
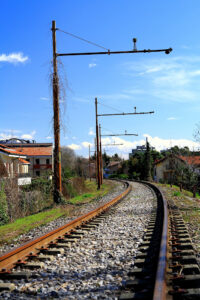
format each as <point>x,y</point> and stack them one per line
<point>101,160</point>
<point>57,154</point>
<point>97,147</point>
<point>89,164</point>
<point>95,155</point>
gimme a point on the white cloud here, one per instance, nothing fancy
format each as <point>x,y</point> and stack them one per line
<point>169,78</point>
<point>91,131</point>
<point>161,144</point>
<point>28,136</point>
<point>92,65</point>
<point>10,134</point>
<point>11,130</point>
<point>5,136</point>
<point>48,137</point>
<point>74,147</point>
<point>13,58</point>
<point>158,143</point>
<point>171,118</point>
<point>44,98</point>
<point>86,144</point>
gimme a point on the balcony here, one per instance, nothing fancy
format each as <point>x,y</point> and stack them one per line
<point>42,167</point>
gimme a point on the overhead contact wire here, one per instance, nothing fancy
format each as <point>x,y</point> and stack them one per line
<point>84,40</point>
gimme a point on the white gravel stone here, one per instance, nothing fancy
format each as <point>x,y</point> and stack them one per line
<point>96,266</point>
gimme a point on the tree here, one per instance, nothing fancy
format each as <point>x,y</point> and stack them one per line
<point>68,162</point>
<point>106,158</point>
<point>147,163</point>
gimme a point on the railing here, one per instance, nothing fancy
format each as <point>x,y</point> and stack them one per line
<point>42,166</point>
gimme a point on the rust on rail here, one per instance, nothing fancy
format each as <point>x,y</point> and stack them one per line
<point>8,260</point>
<point>160,281</point>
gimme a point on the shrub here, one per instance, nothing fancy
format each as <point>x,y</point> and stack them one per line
<point>123,176</point>
<point>176,194</point>
<point>3,205</point>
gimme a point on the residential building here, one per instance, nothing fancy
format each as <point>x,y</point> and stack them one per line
<point>164,168</point>
<point>39,155</point>
<point>139,149</point>
<point>111,168</point>
<point>13,164</point>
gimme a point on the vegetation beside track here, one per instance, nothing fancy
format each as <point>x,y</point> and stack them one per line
<point>10,232</point>
<point>189,208</point>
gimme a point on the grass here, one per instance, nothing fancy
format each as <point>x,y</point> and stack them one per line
<point>11,231</point>
<point>93,194</point>
<point>189,208</point>
<point>176,191</point>
<point>23,225</point>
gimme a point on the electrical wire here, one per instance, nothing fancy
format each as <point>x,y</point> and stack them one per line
<point>110,107</point>
<point>82,39</point>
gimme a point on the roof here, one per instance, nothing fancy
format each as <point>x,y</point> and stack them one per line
<point>23,161</point>
<point>10,151</point>
<point>114,163</point>
<point>191,160</point>
<point>35,151</point>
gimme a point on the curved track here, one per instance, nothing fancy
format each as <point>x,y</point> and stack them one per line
<point>165,266</point>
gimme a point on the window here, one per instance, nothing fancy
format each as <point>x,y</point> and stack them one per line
<point>37,161</point>
<point>47,161</point>
<point>37,173</point>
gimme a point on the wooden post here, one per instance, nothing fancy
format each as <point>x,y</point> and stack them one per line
<point>97,141</point>
<point>89,165</point>
<point>101,162</point>
<point>57,153</point>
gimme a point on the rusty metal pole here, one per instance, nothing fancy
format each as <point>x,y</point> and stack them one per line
<point>101,162</point>
<point>57,153</point>
<point>95,156</point>
<point>97,142</point>
<point>89,165</point>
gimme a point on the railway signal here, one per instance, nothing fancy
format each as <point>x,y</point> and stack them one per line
<point>57,153</point>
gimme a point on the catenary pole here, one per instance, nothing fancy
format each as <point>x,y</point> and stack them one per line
<point>101,160</point>
<point>95,155</point>
<point>57,154</point>
<point>97,147</point>
<point>89,164</point>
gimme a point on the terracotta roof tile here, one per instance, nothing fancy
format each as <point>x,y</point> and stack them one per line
<point>191,160</point>
<point>10,151</point>
<point>24,161</point>
<point>35,151</point>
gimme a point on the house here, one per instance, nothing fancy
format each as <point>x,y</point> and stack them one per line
<point>111,168</point>
<point>164,168</point>
<point>13,164</point>
<point>39,155</point>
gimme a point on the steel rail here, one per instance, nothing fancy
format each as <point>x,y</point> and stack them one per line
<point>8,260</point>
<point>160,283</point>
<point>160,288</point>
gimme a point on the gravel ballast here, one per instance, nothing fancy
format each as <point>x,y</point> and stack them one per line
<point>96,266</point>
<point>78,211</point>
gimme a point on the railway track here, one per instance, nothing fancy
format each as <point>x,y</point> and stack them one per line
<point>165,266</point>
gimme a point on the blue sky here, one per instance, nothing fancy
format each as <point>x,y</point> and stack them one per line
<point>167,84</point>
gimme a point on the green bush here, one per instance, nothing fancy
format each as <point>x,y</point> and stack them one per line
<point>123,176</point>
<point>3,205</point>
<point>176,194</point>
